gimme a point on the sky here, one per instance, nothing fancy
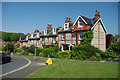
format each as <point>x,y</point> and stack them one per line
<point>23,16</point>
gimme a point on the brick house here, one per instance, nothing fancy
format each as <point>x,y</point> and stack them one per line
<point>48,37</point>
<point>70,34</point>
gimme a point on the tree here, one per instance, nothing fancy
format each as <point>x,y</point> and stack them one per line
<point>114,47</point>
<point>9,47</point>
<point>14,37</point>
<point>6,36</point>
<point>109,38</point>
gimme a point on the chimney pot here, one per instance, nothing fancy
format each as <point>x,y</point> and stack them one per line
<point>67,18</point>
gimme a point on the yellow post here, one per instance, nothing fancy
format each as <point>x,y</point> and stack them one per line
<point>49,61</point>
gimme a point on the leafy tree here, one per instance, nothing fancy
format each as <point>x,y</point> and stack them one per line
<point>9,47</point>
<point>14,37</point>
<point>6,36</point>
<point>114,48</point>
<point>109,38</point>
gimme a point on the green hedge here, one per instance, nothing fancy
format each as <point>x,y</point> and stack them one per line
<point>64,54</point>
<point>51,51</point>
<point>84,52</point>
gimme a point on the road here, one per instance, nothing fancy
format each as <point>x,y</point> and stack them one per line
<point>15,64</point>
<point>18,63</point>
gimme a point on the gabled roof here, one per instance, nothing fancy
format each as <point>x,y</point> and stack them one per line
<point>87,20</point>
<point>97,22</point>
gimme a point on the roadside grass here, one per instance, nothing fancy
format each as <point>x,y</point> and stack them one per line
<point>77,69</point>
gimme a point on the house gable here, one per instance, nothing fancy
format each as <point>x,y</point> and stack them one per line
<point>77,20</point>
<point>101,24</point>
<point>84,25</point>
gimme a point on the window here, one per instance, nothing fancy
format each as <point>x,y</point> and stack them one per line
<point>59,36</point>
<point>80,35</point>
<point>80,23</point>
<point>45,32</point>
<point>66,26</point>
<point>74,36</point>
<point>54,30</point>
<point>68,36</point>
<point>34,35</point>
<point>63,36</point>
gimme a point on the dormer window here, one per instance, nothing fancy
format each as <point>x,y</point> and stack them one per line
<point>54,30</point>
<point>45,32</point>
<point>80,23</point>
<point>66,26</point>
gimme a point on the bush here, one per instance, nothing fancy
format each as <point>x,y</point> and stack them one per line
<point>26,49</point>
<point>32,49</point>
<point>98,56</point>
<point>30,54</point>
<point>52,51</point>
<point>41,54</point>
<point>84,52</point>
<point>17,50</point>
<point>93,58</point>
<point>38,51</point>
<point>64,54</point>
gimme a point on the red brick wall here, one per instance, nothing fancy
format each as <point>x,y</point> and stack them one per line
<point>85,27</point>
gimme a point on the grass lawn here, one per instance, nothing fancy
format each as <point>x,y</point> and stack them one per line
<point>77,69</point>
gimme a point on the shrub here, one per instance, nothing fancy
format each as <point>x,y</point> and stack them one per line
<point>93,58</point>
<point>32,49</point>
<point>84,52</point>
<point>26,49</point>
<point>98,56</point>
<point>38,51</point>
<point>17,50</point>
<point>41,54</point>
<point>30,54</point>
<point>52,51</point>
<point>64,54</point>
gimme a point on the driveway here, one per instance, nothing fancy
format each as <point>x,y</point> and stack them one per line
<point>19,69</point>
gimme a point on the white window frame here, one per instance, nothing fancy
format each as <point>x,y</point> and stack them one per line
<point>80,35</point>
<point>66,26</point>
<point>54,30</point>
<point>45,32</point>
<point>79,23</point>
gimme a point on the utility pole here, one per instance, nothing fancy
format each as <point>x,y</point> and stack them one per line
<point>36,42</point>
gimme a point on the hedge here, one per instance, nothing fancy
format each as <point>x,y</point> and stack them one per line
<point>51,51</point>
<point>64,54</point>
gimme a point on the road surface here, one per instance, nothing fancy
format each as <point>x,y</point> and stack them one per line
<point>16,64</point>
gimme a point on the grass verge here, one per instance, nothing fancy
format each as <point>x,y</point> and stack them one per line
<point>77,69</point>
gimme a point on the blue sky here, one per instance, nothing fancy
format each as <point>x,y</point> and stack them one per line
<point>22,16</point>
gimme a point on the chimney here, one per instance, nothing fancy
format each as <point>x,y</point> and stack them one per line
<point>97,15</point>
<point>67,20</point>
<point>49,27</point>
<point>36,30</point>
